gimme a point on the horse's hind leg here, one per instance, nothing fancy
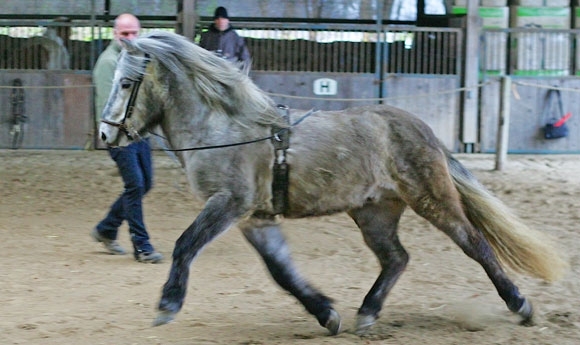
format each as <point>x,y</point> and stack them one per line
<point>378,224</point>
<point>440,203</point>
<point>265,236</point>
<point>475,245</point>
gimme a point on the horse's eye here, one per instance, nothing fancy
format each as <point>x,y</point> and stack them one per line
<point>125,83</point>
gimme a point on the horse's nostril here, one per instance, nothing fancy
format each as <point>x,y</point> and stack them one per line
<point>103,136</point>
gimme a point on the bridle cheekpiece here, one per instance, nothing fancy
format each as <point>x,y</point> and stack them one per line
<point>129,130</point>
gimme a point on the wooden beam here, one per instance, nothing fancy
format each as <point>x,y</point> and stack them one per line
<point>186,18</point>
<point>469,133</point>
<point>503,128</point>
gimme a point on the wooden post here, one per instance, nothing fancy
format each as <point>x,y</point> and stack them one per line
<point>186,18</point>
<point>471,77</point>
<point>503,127</point>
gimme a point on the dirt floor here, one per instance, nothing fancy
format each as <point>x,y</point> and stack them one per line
<point>59,287</point>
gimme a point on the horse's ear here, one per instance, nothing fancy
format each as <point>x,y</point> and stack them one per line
<point>127,44</point>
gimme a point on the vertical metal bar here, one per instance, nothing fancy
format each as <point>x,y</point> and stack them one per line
<point>396,54</point>
<point>429,59</point>
<point>348,57</point>
<point>3,43</point>
<point>301,58</point>
<point>276,59</point>
<point>19,56</point>
<point>8,45</point>
<point>29,56</point>
<point>271,44</point>
<point>338,52</point>
<point>415,49</point>
<point>324,54</point>
<point>336,47</point>
<point>327,55</point>
<point>297,43</point>
<point>571,53</point>
<point>380,56</point>
<point>309,51</point>
<point>316,55</point>
<point>425,53</point>
<point>354,62</point>
<point>274,47</point>
<point>458,54</point>
<point>381,53</point>
<point>365,57</point>
<point>93,47</point>
<point>261,42</point>
<point>288,46</point>
<point>309,54</point>
<point>443,46</point>
<point>439,48</point>
<point>295,52</point>
<point>287,53</point>
<point>445,54</point>
<point>344,60</point>
<point>416,67</point>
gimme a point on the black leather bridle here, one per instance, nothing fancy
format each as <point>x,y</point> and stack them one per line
<point>129,131</point>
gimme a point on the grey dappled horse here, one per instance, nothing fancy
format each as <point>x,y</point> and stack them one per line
<point>371,162</point>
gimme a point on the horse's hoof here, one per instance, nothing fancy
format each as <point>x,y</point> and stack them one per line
<point>364,323</point>
<point>333,324</point>
<point>164,317</point>
<point>526,311</point>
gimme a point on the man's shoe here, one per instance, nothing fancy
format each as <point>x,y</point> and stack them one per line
<point>149,257</point>
<point>112,246</point>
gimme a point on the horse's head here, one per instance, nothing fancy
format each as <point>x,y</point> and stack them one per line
<point>160,74</point>
<point>124,118</point>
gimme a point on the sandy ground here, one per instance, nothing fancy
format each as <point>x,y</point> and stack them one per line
<point>59,287</point>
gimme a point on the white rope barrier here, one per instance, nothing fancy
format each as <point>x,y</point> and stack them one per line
<point>539,86</point>
<point>46,87</point>
<point>468,88</point>
<point>284,95</point>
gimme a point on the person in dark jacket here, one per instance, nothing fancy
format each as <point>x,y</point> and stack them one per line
<point>221,38</point>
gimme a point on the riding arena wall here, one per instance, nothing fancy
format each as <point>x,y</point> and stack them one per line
<point>303,66</point>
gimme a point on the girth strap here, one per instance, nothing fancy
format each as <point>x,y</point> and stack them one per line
<point>280,171</point>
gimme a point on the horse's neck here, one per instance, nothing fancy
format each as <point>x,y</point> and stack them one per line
<point>190,122</point>
<point>199,127</point>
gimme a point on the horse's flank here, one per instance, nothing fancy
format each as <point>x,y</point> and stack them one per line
<point>335,164</point>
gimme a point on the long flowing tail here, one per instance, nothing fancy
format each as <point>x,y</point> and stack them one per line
<point>515,244</point>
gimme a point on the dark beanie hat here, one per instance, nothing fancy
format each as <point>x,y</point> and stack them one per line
<point>220,12</point>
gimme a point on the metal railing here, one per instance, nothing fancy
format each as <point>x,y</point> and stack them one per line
<point>301,47</point>
<point>276,47</point>
<point>530,52</point>
<point>352,48</point>
<point>30,44</point>
<point>417,50</point>
<point>307,47</point>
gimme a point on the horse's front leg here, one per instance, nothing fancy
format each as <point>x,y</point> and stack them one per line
<point>219,213</point>
<point>265,235</point>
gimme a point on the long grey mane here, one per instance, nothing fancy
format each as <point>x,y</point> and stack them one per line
<point>222,86</point>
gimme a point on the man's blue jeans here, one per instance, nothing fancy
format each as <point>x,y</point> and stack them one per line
<point>136,169</point>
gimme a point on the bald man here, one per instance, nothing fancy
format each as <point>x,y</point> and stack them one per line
<point>134,161</point>
<point>126,26</point>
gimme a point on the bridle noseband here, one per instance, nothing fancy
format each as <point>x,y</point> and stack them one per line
<point>130,131</point>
